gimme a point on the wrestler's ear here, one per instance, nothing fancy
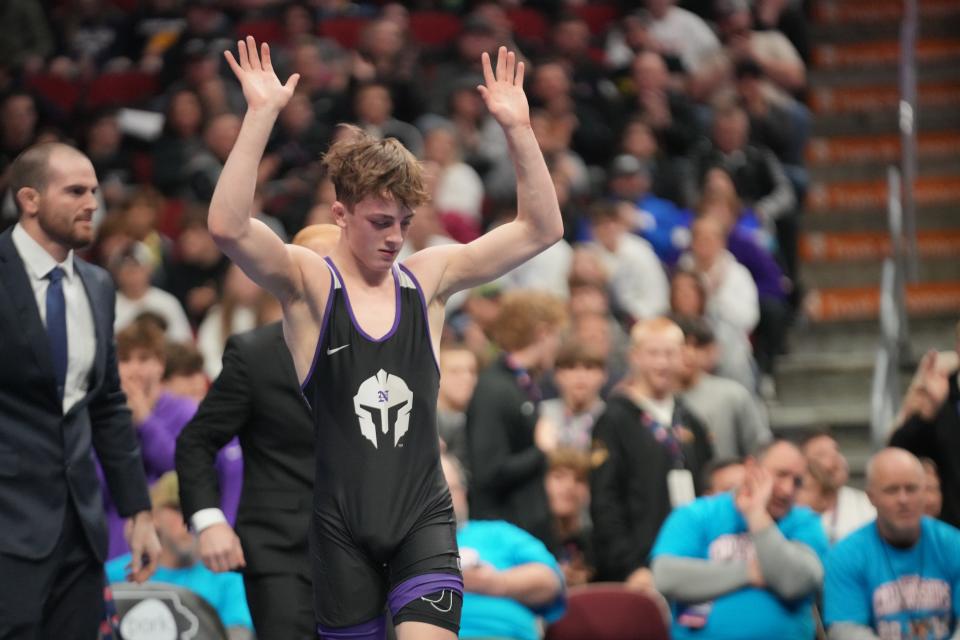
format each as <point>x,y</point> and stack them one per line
<point>339,212</point>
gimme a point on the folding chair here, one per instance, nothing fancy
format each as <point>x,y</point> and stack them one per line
<point>610,611</point>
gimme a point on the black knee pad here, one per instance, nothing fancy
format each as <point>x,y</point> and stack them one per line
<point>440,608</point>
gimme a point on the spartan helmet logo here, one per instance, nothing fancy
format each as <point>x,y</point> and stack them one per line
<point>383,403</point>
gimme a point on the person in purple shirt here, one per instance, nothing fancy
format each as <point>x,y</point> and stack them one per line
<point>772,285</point>
<point>159,416</point>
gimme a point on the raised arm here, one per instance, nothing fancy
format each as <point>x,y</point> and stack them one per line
<point>448,269</point>
<point>248,242</point>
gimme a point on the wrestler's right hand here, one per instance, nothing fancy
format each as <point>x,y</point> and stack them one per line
<point>261,87</point>
<point>220,548</point>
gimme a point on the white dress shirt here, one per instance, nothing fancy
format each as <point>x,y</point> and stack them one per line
<point>81,335</point>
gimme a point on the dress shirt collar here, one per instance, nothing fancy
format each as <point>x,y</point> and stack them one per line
<point>36,259</point>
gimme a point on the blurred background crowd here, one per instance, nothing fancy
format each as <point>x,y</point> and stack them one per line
<point>675,134</point>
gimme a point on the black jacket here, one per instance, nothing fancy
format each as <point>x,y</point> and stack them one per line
<point>628,483</point>
<point>507,469</point>
<point>257,398</point>
<point>940,441</point>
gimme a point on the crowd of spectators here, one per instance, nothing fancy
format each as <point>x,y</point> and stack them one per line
<point>589,397</point>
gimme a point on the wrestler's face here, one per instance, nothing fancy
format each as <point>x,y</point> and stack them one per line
<point>375,230</point>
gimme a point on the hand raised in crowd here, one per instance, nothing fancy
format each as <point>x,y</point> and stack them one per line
<point>752,497</point>
<point>261,86</point>
<point>503,91</point>
<point>220,548</point>
<point>933,383</point>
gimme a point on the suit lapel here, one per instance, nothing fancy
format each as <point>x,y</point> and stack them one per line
<point>19,292</point>
<point>99,304</point>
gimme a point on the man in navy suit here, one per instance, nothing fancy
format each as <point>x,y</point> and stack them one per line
<point>60,402</point>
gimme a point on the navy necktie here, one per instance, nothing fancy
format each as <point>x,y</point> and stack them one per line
<point>57,326</point>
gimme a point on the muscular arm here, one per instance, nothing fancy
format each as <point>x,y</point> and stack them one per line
<point>248,242</point>
<point>448,269</point>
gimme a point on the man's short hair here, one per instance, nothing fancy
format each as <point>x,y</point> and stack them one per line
<point>661,325</point>
<point>822,431</point>
<point>762,450</point>
<point>30,168</point>
<point>361,166</point>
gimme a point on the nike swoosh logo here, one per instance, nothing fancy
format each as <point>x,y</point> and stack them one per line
<point>334,350</point>
<point>438,603</point>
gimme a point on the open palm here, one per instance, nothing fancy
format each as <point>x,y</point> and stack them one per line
<point>261,87</point>
<point>502,90</point>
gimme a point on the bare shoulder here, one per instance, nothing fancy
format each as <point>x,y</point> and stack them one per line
<point>314,273</point>
<point>428,266</point>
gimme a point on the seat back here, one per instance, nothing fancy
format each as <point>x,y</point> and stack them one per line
<point>612,612</point>
<point>160,611</point>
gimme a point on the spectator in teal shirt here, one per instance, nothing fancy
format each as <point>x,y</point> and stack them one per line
<point>898,576</point>
<point>744,565</point>
<point>509,577</point>
<point>179,565</point>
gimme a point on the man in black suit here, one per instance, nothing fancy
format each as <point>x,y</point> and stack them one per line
<point>257,398</point>
<point>60,400</point>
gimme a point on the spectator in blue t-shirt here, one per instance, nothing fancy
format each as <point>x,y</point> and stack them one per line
<point>509,577</point>
<point>744,565</point>
<point>899,576</point>
<point>179,565</point>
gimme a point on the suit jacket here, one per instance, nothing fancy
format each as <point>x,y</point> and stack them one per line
<point>257,398</point>
<point>44,454</point>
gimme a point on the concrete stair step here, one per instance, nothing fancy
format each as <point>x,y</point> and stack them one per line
<point>880,97</point>
<point>788,419</point>
<point>835,152</point>
<point>884,121</point>
<point>928,218</point>
<point>825,381</point>
<point>883,73</point>
<point>858,246</point>
<point>939,270</point>
<point>858,195</point>
<point>850,337</point>
<point>873,169</point>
